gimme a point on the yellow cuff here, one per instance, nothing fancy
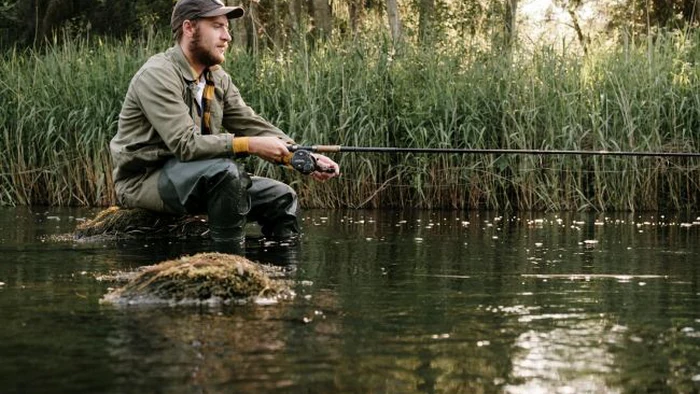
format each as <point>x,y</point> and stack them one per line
<point>240,145</point>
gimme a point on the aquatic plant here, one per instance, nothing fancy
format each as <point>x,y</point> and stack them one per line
<point>204,277</point>
<point>115,223</point>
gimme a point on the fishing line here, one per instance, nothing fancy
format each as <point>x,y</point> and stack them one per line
<point>560,172</point>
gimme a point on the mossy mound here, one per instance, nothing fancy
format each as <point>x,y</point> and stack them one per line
<point>116,223</point>
<point>204,277</point>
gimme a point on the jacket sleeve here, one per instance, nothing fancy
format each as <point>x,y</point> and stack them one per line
<point>241,120</point>
<point>160,97</point>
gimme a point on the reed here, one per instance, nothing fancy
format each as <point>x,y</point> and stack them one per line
<point>60,109</point>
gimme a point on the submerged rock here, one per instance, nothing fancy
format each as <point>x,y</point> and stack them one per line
<point>118,223</point>
<point>201,278</point>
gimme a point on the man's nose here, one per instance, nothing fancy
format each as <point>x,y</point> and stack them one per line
<point>227,35</point>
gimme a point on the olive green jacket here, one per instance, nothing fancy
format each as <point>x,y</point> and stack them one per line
<point>160,120</point>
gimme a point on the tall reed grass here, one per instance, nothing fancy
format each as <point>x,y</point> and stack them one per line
<point>60,109</point>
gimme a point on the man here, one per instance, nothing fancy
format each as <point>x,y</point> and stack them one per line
<point>182,125</point>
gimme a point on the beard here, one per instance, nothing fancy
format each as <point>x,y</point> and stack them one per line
<point>201,54</point>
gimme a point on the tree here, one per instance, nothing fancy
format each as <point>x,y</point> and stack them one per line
<point>571,7</point>
<point>426,17</point>
<point>31,21</point>
<point>355,14</point>
<point>295,14</point>
<point>392,10</point>
<point>644,16</point>
<point>323,20</point>
<point>691,11</point>
<point>509,31</point>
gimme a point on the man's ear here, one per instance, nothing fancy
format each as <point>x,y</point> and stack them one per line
<point>188,28</point>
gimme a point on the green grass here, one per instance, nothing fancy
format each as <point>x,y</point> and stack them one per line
<point>61,106</point>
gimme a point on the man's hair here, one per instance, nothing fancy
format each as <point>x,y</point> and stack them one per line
<point>177,34</point>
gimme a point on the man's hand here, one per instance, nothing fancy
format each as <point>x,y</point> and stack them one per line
<point>269,148</point>
<point>325,162</point>
<point>275,150</point>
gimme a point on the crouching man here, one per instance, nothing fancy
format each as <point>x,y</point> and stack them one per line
<point>182,127</point>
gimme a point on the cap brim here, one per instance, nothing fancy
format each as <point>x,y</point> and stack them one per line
<point>230,12</point>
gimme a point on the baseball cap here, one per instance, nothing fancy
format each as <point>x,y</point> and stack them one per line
<point>194,9</point>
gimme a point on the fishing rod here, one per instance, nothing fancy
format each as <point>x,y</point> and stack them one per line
<point>377,149</point>
<point>303,161</point>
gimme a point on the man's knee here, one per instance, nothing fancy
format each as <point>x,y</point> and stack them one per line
<point>285,199</point>
<point>286,192</point>
<point>226,190</point>
<point>226,173</point>
<point>197,186</point>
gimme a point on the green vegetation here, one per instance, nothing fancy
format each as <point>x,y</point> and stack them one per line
<point>60,108</point>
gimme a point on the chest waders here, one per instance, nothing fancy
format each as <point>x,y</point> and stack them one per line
<point>223,190</point>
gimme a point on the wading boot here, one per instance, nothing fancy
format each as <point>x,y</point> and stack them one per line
<point>227,207</point>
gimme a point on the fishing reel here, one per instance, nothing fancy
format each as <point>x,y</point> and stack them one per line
<point>304,162</point>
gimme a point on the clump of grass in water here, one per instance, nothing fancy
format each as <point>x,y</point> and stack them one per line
<point>118,223</point>
<point>204,277</point>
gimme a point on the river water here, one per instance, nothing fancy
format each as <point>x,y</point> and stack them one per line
<point>387,302</point>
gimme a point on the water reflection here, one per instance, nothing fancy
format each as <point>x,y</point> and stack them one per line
<point>574,359</point>
<point>388,301</point>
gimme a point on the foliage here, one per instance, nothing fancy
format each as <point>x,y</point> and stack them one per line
<point>277,23</point>
<point>650,15</point>
<point>31,22</point>
<point>60,109</point>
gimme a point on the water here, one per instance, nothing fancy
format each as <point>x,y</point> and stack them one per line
<point>388,302</point>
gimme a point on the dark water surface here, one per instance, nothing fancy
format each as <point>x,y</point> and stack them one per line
<point>387,302</point>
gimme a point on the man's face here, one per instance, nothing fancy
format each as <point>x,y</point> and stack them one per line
<point>210,40</point>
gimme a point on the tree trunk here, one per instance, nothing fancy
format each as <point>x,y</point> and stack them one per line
<point>662,12</point>
<point>392,10</point>
<point>579,32</point>
<point>425,20</point>
<point>295,10</point>
<point>57,11</point>
<point>323,19</point>
<point>691,11</point>
<point>510,31</point>
<point>355,11</point>
<point>251,25</point>
<point>27,14</point>
<point>277,24</point>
